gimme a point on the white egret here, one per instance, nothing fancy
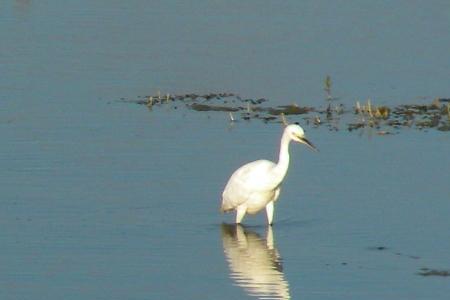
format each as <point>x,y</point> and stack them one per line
<point>256,185</point>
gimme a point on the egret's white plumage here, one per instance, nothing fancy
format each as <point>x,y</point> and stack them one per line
<point>256,185</point>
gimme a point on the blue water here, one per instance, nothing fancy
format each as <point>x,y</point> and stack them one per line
<point>103,199</point>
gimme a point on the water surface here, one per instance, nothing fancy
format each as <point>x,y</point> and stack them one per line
<point>106,200</point>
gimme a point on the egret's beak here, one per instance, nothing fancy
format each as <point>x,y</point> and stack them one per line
<point>308,143</point>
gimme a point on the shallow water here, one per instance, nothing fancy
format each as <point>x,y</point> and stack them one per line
<point>107,200</point>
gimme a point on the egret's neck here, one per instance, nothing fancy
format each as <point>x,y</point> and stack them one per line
<point>283,160</point>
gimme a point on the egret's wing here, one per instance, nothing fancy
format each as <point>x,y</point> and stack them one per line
<point>247,179</point>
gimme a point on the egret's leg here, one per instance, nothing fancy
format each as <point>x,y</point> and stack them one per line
<point>240,213</point>
<point>269,211</point>
<point>269,238</point>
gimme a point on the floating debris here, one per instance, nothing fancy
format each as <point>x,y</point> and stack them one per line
<point>354,126</point>
<point>383,132</point>
<point>382,119</point>
<point>433,272</point>
<point>378,248</point>
<point>205,107</point>
<point>292,109</point>
<point>255,102</point>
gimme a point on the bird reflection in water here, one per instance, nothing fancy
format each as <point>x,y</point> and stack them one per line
<point>254,262</point>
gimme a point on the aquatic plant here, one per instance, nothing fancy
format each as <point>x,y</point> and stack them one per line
<point>381,118</point>
<point>327,86</point>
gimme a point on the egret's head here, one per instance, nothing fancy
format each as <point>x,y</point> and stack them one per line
<point>297,134</point>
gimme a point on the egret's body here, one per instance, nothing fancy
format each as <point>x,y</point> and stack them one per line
<point>256,185</point>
